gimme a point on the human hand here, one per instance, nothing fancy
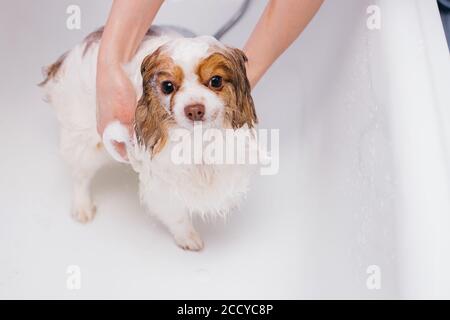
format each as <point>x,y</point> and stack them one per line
<point>116,99</point>
<point>127,24</point>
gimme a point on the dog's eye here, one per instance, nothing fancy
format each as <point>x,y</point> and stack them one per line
<point>216,82</point>
<point>167,87</point>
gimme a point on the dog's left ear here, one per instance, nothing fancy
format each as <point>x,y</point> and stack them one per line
<point>244,110</point>
<point>151,123</point>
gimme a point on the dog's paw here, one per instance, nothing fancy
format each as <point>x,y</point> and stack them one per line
<point>84,214</point>
<point>190,241</point>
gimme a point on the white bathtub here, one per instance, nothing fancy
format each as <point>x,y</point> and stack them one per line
<point>364,169</point>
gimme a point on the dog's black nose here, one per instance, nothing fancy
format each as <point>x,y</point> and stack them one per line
<point>195,112</point>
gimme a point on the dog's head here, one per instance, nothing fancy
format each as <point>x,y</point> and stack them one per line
<point>190,80</point>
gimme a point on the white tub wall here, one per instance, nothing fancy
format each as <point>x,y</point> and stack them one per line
<point>398,78</point>
<point>345,159</point>
<point>415,69</point>
<point>309,232</point>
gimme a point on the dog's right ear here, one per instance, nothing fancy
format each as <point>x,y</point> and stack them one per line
<point>151,119</point>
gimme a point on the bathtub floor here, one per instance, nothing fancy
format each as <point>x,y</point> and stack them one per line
<point>310,231</point>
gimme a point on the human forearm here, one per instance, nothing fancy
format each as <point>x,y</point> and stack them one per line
<point>280,24</point>
<point>127,24</point>
<point>125,28</point>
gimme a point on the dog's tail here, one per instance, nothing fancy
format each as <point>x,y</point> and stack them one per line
<point>50,71</point>
<point>233,20</point>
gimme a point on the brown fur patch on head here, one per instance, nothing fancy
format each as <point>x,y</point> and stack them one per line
<point>236,91</point>
<point>152,119</point>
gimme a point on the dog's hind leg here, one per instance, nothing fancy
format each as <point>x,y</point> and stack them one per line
<point>85,156</point>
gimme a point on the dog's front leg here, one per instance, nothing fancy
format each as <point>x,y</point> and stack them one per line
<point>173,215</point>
<point>182,229</point>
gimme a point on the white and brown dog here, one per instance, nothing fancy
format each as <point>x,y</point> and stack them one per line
<point>180,81</point>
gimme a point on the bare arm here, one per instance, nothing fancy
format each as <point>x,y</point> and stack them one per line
<point>127,24</point>
<point>280,24</point>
